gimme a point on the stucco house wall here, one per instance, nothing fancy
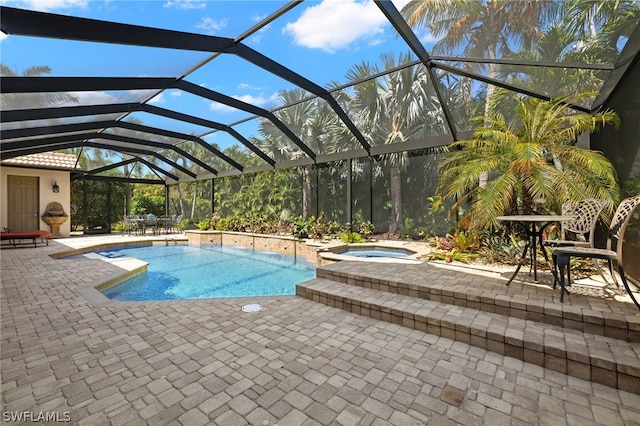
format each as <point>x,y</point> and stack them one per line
<point>46,194</point>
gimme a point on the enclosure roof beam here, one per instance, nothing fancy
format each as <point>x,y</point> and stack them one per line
<point>392,14</point>
<point>111,166</point>
<point>158,169</point>
<point>502,84</point>
<point>243,106</point>
<point>10,147</point>
<point>41,24</point>
<point>118,179</point>
<point>178,135</point>
<point>285,73</point>
<point>129,150</point>
<point>62,112</point>
<point>152,109</point>
<point>94,125</point>
<point>72,111</point>
<point>145,142</point>
<point>13,84</point>
<point>526,63</point>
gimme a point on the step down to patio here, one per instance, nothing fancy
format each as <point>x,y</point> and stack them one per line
<point>609,360</point>
<point>485,291</point>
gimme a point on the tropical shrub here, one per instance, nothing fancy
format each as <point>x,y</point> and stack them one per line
<point>351,237</point>
<point>204,224</point>
<point>508,165</point>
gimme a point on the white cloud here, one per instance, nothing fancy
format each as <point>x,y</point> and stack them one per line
<point>259,101</point>
<point>186,4</point>
<point>157,99</point>
<point>216,106</point>
<point>47,5</point>
<point>248,86</point>
<point>91,98</point>
<point>334,24</point>
<point>426,37</point>
<point>175,93</point>
<point>399,4</point>
<point>3,36</point>
<point>211,26</point>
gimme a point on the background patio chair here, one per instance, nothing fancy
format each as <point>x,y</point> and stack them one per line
<point>582,227</point>
<point>612,254</point>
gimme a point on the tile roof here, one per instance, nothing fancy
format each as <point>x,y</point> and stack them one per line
<point>45,160</point>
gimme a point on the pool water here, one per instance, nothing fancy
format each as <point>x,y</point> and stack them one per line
<point>195,272</point>
<point>376,252</point>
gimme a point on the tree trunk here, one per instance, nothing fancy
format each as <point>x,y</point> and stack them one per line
<point>195,198</point>
<point>306,192</point>
<point>180,201</point>
<point>396,199</point>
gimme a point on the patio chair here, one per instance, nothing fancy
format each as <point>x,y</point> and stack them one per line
<point>149,221</point>
<point>612,254</point>
<point>176,221</point>
<point>582,227</point>
<point>131,224</point>
<point>165,222</point>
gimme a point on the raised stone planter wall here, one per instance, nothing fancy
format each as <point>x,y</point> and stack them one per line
<point>272,243</point>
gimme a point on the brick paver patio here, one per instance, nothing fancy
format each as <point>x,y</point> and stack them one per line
<point>295,362</point>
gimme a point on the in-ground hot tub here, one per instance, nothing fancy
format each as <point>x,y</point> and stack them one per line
<point>367,252</point>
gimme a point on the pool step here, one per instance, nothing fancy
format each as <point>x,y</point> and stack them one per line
<point>609,361</point>
<point>487,292</point>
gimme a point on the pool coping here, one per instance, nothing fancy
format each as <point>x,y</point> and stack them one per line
<point>132,267</point>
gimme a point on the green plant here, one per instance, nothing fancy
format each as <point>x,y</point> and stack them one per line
<point>465,241</point>
<point>509,164</point>
<point>451,255</point>
<point>366,229</point>
<point>318,228</point>
<point>182,225</point>
<point>501,248</point>
<point>204,224</point>
<point>351,237</point>
<point>300,227</point>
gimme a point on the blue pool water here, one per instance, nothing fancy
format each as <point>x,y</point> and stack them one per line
<point>376,252</point>
<point>194,272</point>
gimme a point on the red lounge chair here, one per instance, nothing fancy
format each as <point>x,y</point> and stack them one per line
<point>14,236</point>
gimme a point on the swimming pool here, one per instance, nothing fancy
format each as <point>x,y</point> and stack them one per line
<point>195,272</point>
<point>376,252</point>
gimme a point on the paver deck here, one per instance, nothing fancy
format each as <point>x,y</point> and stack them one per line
<point>295,362</point>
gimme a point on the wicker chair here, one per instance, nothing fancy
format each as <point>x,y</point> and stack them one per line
<point>612,254</point>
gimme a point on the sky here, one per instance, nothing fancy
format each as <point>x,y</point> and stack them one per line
<point>319,40</point>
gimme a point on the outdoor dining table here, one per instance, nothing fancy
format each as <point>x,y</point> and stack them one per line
<point>534,225</point>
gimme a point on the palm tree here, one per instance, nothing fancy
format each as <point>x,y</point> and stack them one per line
<point>393,109</point>
<point>12,101</point>
<point>602,21</point>
<point>486,28</point>
<point>557,44</point>
<point>532,158</point>
<point>309,120</point>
